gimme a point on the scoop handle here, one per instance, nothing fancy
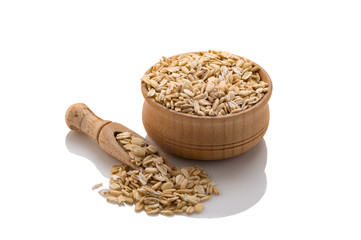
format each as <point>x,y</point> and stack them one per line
<point>80,118</point>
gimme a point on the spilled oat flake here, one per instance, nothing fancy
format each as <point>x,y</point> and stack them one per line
<point>156,188</point>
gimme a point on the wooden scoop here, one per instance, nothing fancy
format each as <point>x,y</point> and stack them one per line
<point>80,118</point>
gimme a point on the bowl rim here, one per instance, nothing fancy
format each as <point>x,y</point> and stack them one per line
<point>262,102</point>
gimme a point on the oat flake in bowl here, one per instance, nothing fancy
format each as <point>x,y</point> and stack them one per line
<point>199,127</point>
<point>210,83</point>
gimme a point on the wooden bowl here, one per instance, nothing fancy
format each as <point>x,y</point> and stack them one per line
<point>204,137</point>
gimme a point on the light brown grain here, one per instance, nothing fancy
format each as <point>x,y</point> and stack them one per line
<point>190,83</point>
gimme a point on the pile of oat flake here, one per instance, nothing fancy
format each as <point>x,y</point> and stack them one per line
<point>210,83</point>
<point>156,188</point>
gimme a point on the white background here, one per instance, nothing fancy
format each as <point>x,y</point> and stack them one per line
<point>303,181</point>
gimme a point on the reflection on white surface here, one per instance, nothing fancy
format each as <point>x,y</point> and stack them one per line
<point>82,145</point>
<point>242,180</point>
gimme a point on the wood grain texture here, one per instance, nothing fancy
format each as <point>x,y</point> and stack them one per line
<point>80,118</point>
<point>203,137</point>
